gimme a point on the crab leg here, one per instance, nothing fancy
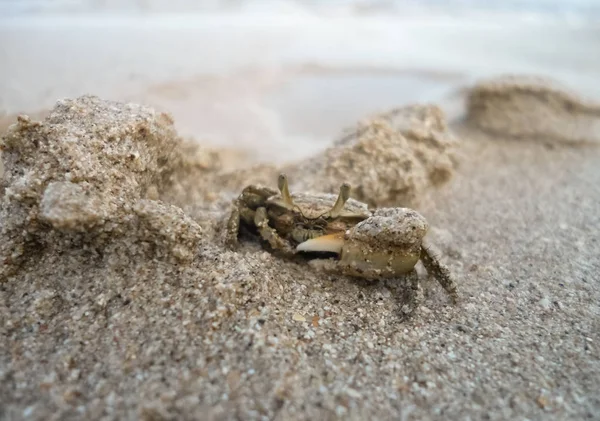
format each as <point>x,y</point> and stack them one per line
<point>233,226</point>
<point>251,197</point>
<point>415,294</point>
<point>438,270</point>
<point>269,234</point>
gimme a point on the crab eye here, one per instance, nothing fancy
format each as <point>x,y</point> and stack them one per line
<point>343,197</point>
<point>281,180</point>
<point>282,184</point>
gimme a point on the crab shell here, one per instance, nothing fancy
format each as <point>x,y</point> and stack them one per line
<point>310,207</point>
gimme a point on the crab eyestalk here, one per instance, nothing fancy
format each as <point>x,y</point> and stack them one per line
<point>343,197</point>
<point>282,184</point>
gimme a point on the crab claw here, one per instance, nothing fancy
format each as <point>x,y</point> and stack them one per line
<point>332,243</point>
<point>385,245</point>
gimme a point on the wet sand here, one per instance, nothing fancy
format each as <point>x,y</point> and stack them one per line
<point>121,301</point>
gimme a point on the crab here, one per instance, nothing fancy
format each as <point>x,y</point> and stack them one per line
<point>370,244</point>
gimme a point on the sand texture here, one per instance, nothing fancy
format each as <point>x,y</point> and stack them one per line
<point>119,301</point>
<point>85,177</point>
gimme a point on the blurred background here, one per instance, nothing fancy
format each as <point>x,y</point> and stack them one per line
<point>282,78</point>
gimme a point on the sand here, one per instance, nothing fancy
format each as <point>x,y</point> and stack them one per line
<point>502,105</point>
<point>119,301</point>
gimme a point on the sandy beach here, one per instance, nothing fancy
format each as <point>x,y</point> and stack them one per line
<point>119,298</point>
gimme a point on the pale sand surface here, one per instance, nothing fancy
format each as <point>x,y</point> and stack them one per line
<point>117,306</point>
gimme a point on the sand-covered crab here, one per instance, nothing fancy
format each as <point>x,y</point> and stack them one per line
<point>383,243</point>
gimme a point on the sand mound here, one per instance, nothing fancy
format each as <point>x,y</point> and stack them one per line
<point>86,177</point>
<point>393,158</point>
<point>527,106</point>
